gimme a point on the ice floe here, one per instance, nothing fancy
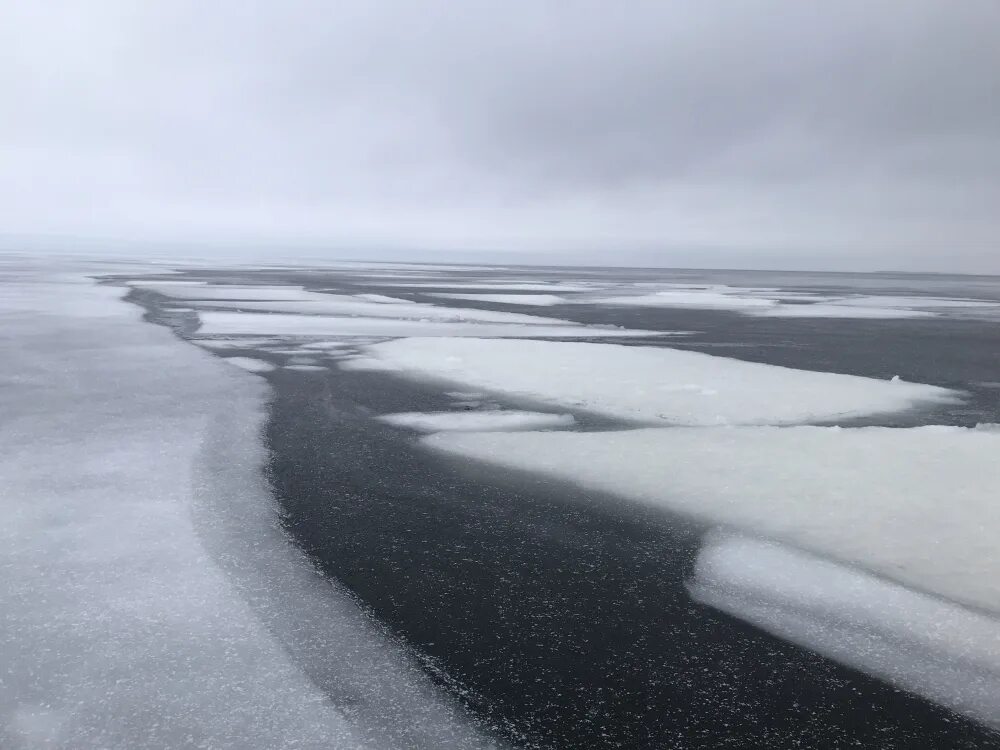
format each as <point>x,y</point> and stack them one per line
<point>709,299</point>
<point>278,324</point>
<point>918,642</point>
<point>825,310</point>
<point>199,290</point>
<point>916,505</point>
<point>541,300</point>
<point>512,286</point>
<point>477,421</point>
<point>652,384</point>
<point>250,364</point>
<point>329,304</point>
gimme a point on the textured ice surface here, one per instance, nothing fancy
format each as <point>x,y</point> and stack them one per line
<point>237,343</point>
<point>329,304</point>
<point>472,421</point>
<point>383,299</point>
<point>913,302</point>
<point>198,290</point>
<point>544,300</point>
<point>651,384</point>
<point>278,324</point>
<point>367,364</point>
<point>305,368</point>
<point>513,286</point>
<point>690,298</point>
<point>824,310</point>
<point>250,364</point>
<point>915,505</point>
<point>921,643</point>
<point>148,596</point>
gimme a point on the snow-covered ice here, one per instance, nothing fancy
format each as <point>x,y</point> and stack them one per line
<point>250,364</point>
<point>340,305</point>
<point>915,505</point>
<point>477,421</point>
<point>512,286</point>
<point>383,299</point>
<point>541,300</point>
<point>651,384</point>
<point>149,598</point>
<point>279,324</point>
<point>198,290</point>
<point>830,310</point>
<point>921,643</point>
<point>708,298</point>
<point>366,364</point>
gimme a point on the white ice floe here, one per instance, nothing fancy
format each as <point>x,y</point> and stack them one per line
<point>899,302</point>
<point>915,505</point>
<point>383,299</point>
<point>238,343</point>
<point>326,345</point>
<point>330,304</point>
<point>652,384</point>
<point>361,363</point>
<point>825,310</point>
<point>705,298</point>
<point>477,421</point>
<point>277,324</point>
<point>920,643</point>
<point>149,596</point>
<point>540,300</point>
<point>305,368</point>
<point>512,286</point>
<point>250,364</point>
<point>199,290</point>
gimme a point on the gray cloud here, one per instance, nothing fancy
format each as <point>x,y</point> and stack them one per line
<point>829,133</point>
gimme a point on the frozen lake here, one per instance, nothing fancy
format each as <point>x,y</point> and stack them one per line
<point>655,509</point>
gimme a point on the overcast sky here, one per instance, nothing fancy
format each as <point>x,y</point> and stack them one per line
<point>754,134</point>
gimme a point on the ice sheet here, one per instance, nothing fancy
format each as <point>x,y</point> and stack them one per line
<point>277,324</point>
<point>477,421</point>
<point>695,298</point>
<point>329,304</point>
<point>119,628</point>
<point>915,505</point>
<point>543,300</point>
<point>913,302</point>
<point>513,286</point>
<point>383,299</point>
<point>652,385</point>
<point>250,364</point>
<point>822,310</point>
<point>923,644</point>
<point>198,290</point>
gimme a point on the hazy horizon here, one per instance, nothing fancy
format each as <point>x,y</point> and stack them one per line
<point>772,135</point>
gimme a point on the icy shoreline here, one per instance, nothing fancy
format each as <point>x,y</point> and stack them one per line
<point>147,587</point>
